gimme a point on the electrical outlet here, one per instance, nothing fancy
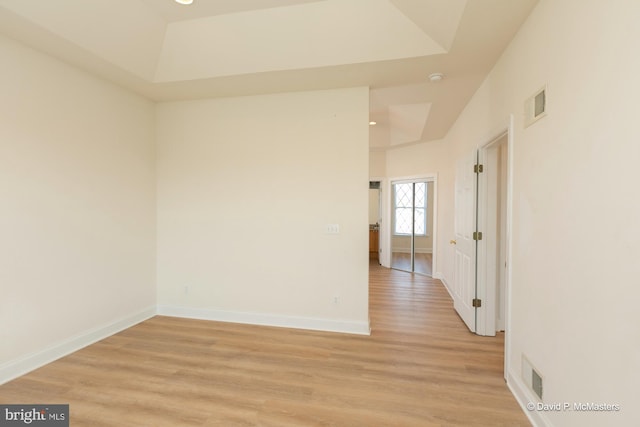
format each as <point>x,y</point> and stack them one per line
<point>186,289</point>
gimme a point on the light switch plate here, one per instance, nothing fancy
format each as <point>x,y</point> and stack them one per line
<point>332,229</point>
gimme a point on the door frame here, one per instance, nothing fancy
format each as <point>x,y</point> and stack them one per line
<point>382,222</point>
<point>487,216</point>
<point>386,218</point>
<point>486,321</point>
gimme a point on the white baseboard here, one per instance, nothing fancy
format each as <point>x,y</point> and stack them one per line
<point>329,325</point>
<point>440,277</point>
<point>522,394</point>
<point>15,368</point>
<point>408,251</point>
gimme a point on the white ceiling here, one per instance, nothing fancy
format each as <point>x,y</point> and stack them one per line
<point>172,12</point>
<point>215,48</point>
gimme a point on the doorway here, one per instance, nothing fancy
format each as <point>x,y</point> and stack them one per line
<point>375,211</point>
<point>482,245</point>
<point>481,237</point>
<point>492,218</point>
<point>412,225</point>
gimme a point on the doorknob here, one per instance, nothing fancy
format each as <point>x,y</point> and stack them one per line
<point>452,242</point>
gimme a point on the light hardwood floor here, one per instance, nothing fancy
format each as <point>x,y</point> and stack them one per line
<point>422,262</point>
<point>419,367</point>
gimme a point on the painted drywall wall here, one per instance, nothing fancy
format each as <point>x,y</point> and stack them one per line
<point>246,187</point>
<point>575,263</point>
<point>77,197</point>
<point>377,163</point>
<point>374,206</point>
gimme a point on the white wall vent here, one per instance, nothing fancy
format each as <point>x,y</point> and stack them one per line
<point>535,107</point>
<point>531,377</point>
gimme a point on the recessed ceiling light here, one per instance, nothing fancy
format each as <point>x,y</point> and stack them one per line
<point>436,77</point>
<point>184,1</point>
<point>373,123</point>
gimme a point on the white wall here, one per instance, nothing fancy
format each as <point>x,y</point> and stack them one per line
<point>245,189</point>
<point>374,206</point>
<point>377,163</point>
<point>77,208</point>
<point>574,310</point>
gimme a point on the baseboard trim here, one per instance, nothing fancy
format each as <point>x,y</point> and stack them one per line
<point>440,277</point>
<point>18,367</point>
<point>408,251</point>
<point>327,325</point>
<point>523,396</point>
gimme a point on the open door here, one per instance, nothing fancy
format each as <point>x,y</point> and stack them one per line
<point>491,250</point>
<point>464,276</point>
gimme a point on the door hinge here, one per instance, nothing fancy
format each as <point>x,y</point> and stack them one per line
<point>477,235</point>
<point>477,303</point>
<point>478,168</point>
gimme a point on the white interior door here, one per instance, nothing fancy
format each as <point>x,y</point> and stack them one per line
<point>491,250</point>
<point>464,276</point>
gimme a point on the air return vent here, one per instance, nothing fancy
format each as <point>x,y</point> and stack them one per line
<point>536,383</point>
<point>535,107</point>
<point>531,377</point>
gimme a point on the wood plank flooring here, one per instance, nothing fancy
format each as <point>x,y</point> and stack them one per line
<point>419,367</point>
<point>422,262</point>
